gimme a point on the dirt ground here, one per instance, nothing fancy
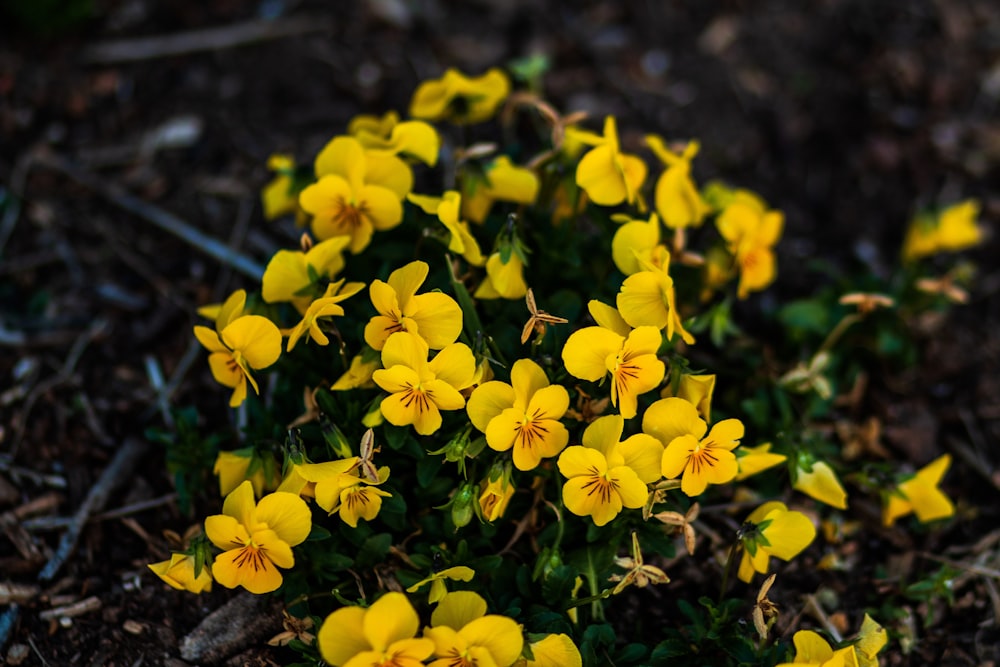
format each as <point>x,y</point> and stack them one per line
<point>846,114</point>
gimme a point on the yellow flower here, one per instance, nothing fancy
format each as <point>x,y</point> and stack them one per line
<point>696,390</point>
<point>818,480</point>
<point>419,389</point>
<point>301,478</point>
<point>326,306</point>
<point>296,276</point>
<point>553,651</point>
<point>872,638</point>
<point>920,494</point>
<point>647,298</point>
<point>436,580</point>
<point>634,243</point>
<point>247,342</point>
<point>773,530</point>
<point>598,482</point>
<point>279,196</point>
<point>459,99</point>
<point>494,497</point>
<point>433,317</point>
<point>382,635</point>
<point>464,635</point>
<point>630,358</point>
<point>447,208</point>
<point>387,135</point>
<point>359,374</point>
<point>701,460</point>
<point>235,467</point>
<point>752,460</point>
<point>811,649</point>
<point>178,572</point>
<point>352,496</point>
<point>503,181</point>
<point>256,538</point>
<point>503,280</point>
<point>751,231</point>
<point>953,229</point>
<point>523,415</point>
<point>347,200</point>
<point>608,176</point>
<point>677,199</point>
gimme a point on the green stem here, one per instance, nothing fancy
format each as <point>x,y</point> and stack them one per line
<point>838,331</point>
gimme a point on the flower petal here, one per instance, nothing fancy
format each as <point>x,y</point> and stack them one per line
<point>341,637</point>
<point>604,433</point>
<point>586,351</point>
<point>390,619</point>
<point>499,635</point>
<point>438,318</point>
<point>788,533</point>
<point>256,338</point>
<point>287,515</point>
<point>487,401</point>
<point>670,418</point>
<point>458,609</point>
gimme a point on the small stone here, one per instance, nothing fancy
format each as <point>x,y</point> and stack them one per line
<point>133,627</point>
<point>17,654</point>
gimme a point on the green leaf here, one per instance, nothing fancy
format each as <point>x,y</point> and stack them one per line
<point>374,550</point>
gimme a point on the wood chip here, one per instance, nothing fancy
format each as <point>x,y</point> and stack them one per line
<point>17,592</point>
<point>80,608</point>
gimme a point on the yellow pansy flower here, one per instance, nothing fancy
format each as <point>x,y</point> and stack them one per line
<point>553,651</point>
<point>256,538</point>
<point>494,497</point>
<point>502,181</point>
<point>460,99</point>
<point>301,478</point>
<point>465,635</point>
<point>752,460</point>
<point>629,355</point>
<point>608,176</point>
<point>811,649</point>
<point>523,415</point>
<point>279,196</point>
<point>920,494</point>
<point>872,638</point>
<point>178,573</point>
<point>388,135</point>
<point>772,530</point>
<point>352,496</point>
<point>248,342</point>
<point>447,209</point>
<point>953,229</point>
<point>751,231</point>
<point>346,157</point>
<point>327,305</point>
<point>677,199</point>
<point>599,479</point>
<point>696,389</point>
<point>818,480</point>
<point>634,242</point>
<point>433,317</point>
<point>701,459</point>
<point>383,634</point>
<point>503,280</point>
<point>647,298</point>
<point>235,467</point>
<point>359,374</point>
<point>419,389</point>
<point>436,580</point>
<point>297,276</point>
<point>347,201</point>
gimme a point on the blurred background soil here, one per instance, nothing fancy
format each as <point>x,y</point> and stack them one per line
<point>847,114</point>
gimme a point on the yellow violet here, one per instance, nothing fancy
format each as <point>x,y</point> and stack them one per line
<point>418,389</point>
<point>352,496</point>
<point>752,460</point>
<point>460,99</point>
<point>436,580</point>
<point>256,538</point>
<point>503,280</point>
<point>647,298</point>
<point>235,467</point>
<point>494,497</point>
<point>634,242</point>
<point>553,651</point>
<point>523,415</point>
<point>327,305</point>
<point>811,649</point>
<point>343,203</point>
<point>503,181</point>
<point>953,229</point>
<point>593,352</point>
<point>818,480</point>
<point>464,635</point>
<point>359,374</point>
<point>447,209</point>
<point>773,530</point>
<point>178,572</point>
<point>608,176</point>
<point>279,197</point>
<point>301,478</point>
<point>347,158</point>
<point>382,635</point>
<point>677,198</point>
<point>433,317</point>
<point>698,459</point>
<point>599,485</point>
<point>920,494</point>
<point>388,135</point>
<point>248,342</point>
<point>751,231</point>
<point>296,276</point>
<point>872,638</point>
